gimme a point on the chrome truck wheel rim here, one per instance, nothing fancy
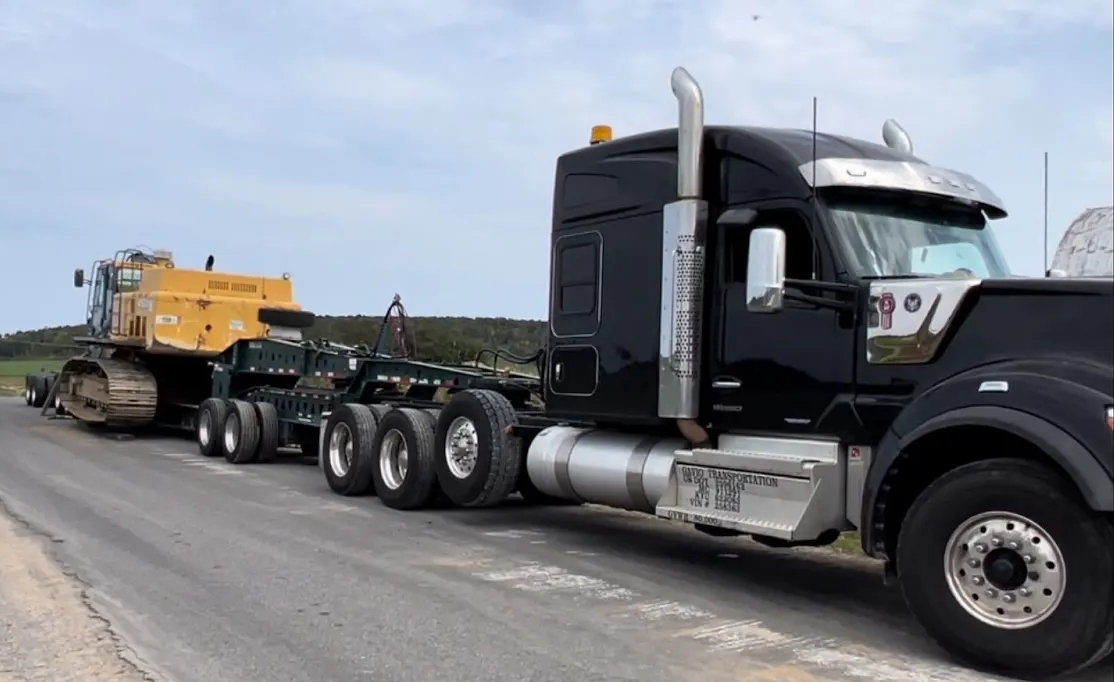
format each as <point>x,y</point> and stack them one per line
<point>393,459</point>
<point>340,449</point>
<point>1005,570</point>
<point>462,447</point>
<point>231,433</point>
<point>205,428</point>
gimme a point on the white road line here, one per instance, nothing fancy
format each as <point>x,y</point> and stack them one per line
<point>514,533</point>
<point>218,468</point>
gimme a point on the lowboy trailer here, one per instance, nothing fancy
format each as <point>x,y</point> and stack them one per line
<point>773,333</point>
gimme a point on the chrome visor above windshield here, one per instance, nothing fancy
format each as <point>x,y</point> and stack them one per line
<point>902,176</point>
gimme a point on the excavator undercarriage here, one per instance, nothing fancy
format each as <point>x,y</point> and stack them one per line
<point>113,392</point>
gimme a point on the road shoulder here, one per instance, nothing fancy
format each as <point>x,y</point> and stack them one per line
<point>48,633</point>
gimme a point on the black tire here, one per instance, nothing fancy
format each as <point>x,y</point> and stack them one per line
<point>379,411</point>
<point>241,423</point>
<point>210,427</point>
<point>350,425</point>
<point>498,455</point>
<point>268,432</point>
<point>38,390</point>
<point>27,383</point>
<point>418,485</point>
<point>59,408</point>
<point>439,500</point>
<point>1078,631</point>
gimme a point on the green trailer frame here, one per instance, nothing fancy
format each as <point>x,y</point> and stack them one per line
<point>284,373</point>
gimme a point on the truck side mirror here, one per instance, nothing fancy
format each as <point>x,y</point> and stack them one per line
<point>766,270</point>
<point>79,278</point>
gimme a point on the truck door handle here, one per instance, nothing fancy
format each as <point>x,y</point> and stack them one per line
<point>726,382</point>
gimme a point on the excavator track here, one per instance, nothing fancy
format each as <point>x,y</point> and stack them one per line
<point>112,392</point>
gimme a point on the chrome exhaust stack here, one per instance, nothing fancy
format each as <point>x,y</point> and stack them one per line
<point>684,225</point>
<point>690,133</point>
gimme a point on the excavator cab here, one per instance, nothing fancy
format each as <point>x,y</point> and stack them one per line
<point>112,278</point>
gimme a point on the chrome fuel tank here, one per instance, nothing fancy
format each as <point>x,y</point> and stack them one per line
<point>626,471</point>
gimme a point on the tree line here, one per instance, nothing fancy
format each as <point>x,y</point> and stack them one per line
<point>432,339</point>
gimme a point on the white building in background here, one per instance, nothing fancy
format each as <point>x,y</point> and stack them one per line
<point>1087,248</point>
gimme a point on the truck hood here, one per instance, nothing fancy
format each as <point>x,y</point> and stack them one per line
<point>964,323</point>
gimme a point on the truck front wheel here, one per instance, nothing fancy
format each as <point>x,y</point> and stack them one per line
<point>1005,568</point>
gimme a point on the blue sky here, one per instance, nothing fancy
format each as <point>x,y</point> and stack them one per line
<point>371,147</point>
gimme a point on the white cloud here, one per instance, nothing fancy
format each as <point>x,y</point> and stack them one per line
<point>420,137</point>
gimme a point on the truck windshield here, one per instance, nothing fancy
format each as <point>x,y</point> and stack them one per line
<point>913,236</point>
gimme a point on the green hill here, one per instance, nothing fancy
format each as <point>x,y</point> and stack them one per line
<point>436,339</point>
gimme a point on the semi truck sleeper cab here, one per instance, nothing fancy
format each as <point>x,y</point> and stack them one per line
<point>789,334</point>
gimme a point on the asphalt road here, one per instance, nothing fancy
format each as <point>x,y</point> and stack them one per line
<point>197,571</point>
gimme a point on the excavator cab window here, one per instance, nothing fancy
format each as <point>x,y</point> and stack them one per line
<point>128,278</point>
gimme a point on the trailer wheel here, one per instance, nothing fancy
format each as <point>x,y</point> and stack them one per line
<point>38,390</point>
<point>477,460</point>
<point>268,431</point>
<point>59,408</point>
<point>349,458</point>
<point>1005,568</point>
<point>439,500</point>
<point>380,411</point>
<point>210,427</point>
<point>27,389</point>
<point>241,433</point>
<point>404,473</point>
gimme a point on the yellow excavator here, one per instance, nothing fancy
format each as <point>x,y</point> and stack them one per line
<point>153,328</point>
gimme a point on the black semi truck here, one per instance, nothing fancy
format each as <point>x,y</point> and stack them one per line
<point>773,333</point>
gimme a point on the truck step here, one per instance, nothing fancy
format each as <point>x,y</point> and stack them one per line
<point>790,489</point>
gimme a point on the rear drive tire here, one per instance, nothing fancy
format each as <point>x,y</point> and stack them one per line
<point>348,455</point>
<point>210,427</point>
<point>27,380</point>
<point>241,433</point>
<point>404,472</point>
<point>268,432</point>
<point>477,461</point>
<point>1008,571</point>
<point>59,408</point>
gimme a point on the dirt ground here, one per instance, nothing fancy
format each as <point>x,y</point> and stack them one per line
<point>47,633</point>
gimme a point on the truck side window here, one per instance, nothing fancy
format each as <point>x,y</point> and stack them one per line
<point>576,284</point>
<point>800,248</point>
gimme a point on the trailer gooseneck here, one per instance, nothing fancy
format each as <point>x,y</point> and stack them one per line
<point>774,333</point>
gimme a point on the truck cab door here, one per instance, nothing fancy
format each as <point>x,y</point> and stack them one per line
<point>786,372</point>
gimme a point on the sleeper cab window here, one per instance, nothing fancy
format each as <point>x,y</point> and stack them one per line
<point>576,295</point>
